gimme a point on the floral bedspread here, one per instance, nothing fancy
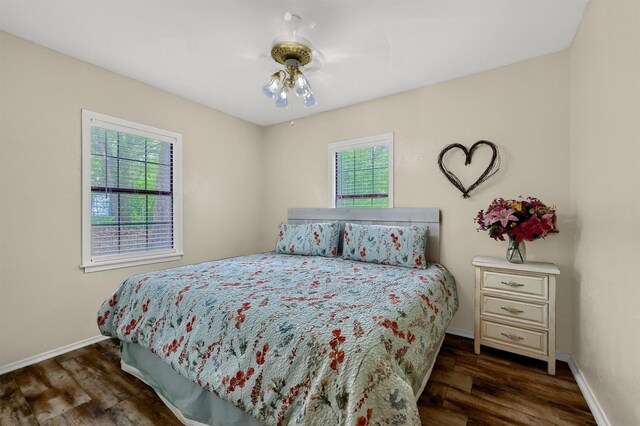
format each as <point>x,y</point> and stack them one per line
<point>293,339</point>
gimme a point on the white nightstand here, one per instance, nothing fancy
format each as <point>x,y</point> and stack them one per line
<point>516,308</point>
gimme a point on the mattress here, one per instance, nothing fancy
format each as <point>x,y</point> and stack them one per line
<point>292,339</point>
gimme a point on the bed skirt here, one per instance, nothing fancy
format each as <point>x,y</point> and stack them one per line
<point>190,403</point>
<point>193,405</point>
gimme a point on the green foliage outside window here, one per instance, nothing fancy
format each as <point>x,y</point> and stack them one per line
<point>121,160</point>
<point>362,178</point>
<point>131,192</point>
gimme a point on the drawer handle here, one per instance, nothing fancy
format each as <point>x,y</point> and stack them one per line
<point>512,336</point>
<point>512,284</point>
<point>512,310</point>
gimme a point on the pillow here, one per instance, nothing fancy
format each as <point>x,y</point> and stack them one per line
<point>390,245</point>
<point>316,239</point>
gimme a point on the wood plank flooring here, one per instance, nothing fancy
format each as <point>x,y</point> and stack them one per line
<point>499,388</point>
<point>87,387</point>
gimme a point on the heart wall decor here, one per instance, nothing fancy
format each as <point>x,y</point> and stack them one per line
<point>492,168</point>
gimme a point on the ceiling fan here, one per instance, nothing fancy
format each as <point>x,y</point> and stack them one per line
<point>343,50</point>
<point>294,52</point>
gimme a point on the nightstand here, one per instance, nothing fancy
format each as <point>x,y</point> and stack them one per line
<point>515,308</point>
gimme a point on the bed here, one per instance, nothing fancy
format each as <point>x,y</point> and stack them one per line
<point>275,338</point>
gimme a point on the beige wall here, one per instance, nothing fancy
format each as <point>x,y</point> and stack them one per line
<point>605,177</point>
<point>523,108</point>
<point>46,301</point>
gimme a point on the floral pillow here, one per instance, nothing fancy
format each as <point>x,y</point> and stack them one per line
<point>390,245</point>
<point>315,239</point>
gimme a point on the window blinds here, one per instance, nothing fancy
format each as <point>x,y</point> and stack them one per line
<point>362,177</point>
<point>132,190</point>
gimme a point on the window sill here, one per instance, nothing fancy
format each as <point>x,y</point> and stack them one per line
<point>116,264</point>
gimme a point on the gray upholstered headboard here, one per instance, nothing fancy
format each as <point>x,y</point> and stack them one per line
<point>400,217</point>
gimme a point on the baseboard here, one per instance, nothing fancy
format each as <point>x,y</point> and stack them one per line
<point>460,332</point>
<point>50,354</point>
<point>592,402</point>
<point>560,356</point>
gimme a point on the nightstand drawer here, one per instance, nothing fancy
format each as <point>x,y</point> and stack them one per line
<point>535,314</point>
<point>522,285</point>
<point>528,340</point>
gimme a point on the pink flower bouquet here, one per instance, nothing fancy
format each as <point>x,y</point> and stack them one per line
<point>522,220</point>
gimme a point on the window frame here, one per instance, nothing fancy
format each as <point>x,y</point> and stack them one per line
<point>385,139</point>
<point>92,263</point>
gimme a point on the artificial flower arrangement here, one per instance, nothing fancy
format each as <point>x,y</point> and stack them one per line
<point>525,219</point>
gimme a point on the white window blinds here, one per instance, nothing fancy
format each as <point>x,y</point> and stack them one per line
<point>362,172</point>
<point>362,177</point>
<point>133,192</point>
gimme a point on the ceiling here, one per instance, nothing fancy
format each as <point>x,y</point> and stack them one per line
<point>216,52</point>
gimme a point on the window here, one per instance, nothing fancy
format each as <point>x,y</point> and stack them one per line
<point>132,195</point>
<point>361,172</point>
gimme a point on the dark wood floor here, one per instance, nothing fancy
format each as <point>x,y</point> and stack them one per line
<point>87,387</point>
<point>499,388</point>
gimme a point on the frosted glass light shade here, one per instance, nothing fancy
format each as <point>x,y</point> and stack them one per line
<point>309,99</point>
<point>272,87</point>
<point>281,99</point>
<point>302,85</point>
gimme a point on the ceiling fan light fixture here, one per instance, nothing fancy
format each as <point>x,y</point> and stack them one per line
<point>281,99</point>
<point>309,99</point>
<point>273,86</point>
<point>292,55</point>
<point>302,85</point>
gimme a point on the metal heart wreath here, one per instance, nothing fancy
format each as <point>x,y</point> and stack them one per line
<point>492,168</point>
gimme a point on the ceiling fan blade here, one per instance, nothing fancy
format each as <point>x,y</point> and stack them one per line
<point>317,62</point>
<point>367,46</point>
<point>376,46</point>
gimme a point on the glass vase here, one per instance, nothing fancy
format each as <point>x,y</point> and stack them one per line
<point>516,251</point>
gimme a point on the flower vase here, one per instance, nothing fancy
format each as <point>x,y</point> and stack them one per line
<point>516,251</point>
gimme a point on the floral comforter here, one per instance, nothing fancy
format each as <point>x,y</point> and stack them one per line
<point>293,339</point>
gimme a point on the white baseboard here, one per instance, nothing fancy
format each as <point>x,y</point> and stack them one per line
<point>460,332</point>
<point>50,354</point>
<point>560,356</point>
<point>592,402</point>
<point>597,411</point>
